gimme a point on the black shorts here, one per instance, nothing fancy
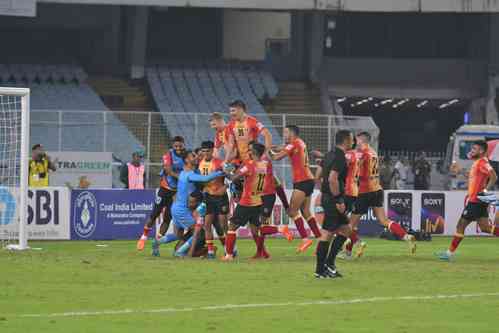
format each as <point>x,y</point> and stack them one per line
<point>268,205</point>
<point>217,204</point>
<point>306,186</point>
<point>246,214</point>
<point>350,203</point>
<point>333,219</point>
<point>368,200</point>
<point>475,210</point>
<point>164,198</point>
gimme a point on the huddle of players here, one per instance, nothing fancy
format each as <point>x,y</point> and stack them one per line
<point>248,166</point>
<point>350,186</point>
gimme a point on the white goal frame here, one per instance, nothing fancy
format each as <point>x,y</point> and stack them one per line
<point>24,93</point>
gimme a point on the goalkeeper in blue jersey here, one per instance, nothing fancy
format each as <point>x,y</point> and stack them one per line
<point>182,214</point>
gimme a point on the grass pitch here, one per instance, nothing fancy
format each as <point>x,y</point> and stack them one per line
<point>79,287</point>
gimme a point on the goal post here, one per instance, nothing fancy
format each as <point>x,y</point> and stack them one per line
<point>14,161</point>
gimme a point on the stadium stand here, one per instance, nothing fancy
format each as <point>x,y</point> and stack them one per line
<point>181,90</point>
<point>64,88</point>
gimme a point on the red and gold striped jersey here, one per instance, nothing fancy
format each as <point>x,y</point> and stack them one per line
<point>369,171</point>
<point>243,132</point>
<point>352,180</point>
<point>254,182</point>
<point>217,185</point>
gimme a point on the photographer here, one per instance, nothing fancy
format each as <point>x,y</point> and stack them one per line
<point>39,167</point>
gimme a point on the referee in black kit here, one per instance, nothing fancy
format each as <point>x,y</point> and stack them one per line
<point>334,172</point>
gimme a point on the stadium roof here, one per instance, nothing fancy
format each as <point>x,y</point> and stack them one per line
<point>464,6</point>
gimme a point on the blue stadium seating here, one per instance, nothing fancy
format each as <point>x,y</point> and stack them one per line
<point>182,90</point>
<point>63,87</point>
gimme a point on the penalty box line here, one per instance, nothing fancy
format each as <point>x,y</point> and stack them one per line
<point>255,305</point>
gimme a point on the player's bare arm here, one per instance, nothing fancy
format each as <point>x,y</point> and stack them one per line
<point>267,137</point>
<point>492,180</point>
<point>277,156</point>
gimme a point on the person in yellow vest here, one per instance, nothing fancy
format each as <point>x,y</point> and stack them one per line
<point>133,173</point>
<point>39,167</point>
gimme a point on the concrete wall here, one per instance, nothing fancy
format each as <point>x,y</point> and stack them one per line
<point>245,32</point>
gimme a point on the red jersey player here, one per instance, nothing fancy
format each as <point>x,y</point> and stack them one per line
<point>482,177</point>
<point>216,198</point>
<point>240,131</point>
<point>303,184</point>
<point>354,160</point>
<point>217,122</point>
<point>371,194</point>
<point>172,165</point>
<point>250,205</point>
<point>271,183</point>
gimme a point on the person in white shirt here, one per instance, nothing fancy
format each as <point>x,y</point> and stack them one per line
<point>401,182</point>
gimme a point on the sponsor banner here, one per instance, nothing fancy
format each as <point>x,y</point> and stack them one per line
<point>110,214</point>
<point>71,166</point>
<point>48,213</point>
<point>433,213</point>
<point>400,208</point>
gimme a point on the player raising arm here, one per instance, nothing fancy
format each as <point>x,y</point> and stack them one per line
<point>481,178</point>
<point>303,184</point>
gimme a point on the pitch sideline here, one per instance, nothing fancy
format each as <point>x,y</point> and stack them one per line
<point>255,305</point>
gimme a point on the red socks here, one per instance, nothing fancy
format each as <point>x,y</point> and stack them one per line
<point>312,223</point>
<point>455,242</point>
<point>282,195</point>
<point>259,243</point>
<point>300,225</point>
<point>230,242</point>
<point>353,239</point>
<point>269,229</point>
<point>209,245</point>
<point>146,231</point>
<point>397,230</point>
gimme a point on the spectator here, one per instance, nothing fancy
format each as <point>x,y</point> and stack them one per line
<point>386,174</point>
<point>39,167</point>
<point>401,174</point>
<point>422,170</point>
<point>133,173</point>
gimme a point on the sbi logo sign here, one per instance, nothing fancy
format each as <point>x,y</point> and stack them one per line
<point>43,207</point>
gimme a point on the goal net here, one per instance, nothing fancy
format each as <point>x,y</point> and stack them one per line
<point>14,148</point>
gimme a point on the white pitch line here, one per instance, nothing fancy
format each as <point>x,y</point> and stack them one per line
<point>257,305</point>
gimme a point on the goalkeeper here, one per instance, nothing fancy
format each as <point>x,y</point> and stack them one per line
<point>182,215</point>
